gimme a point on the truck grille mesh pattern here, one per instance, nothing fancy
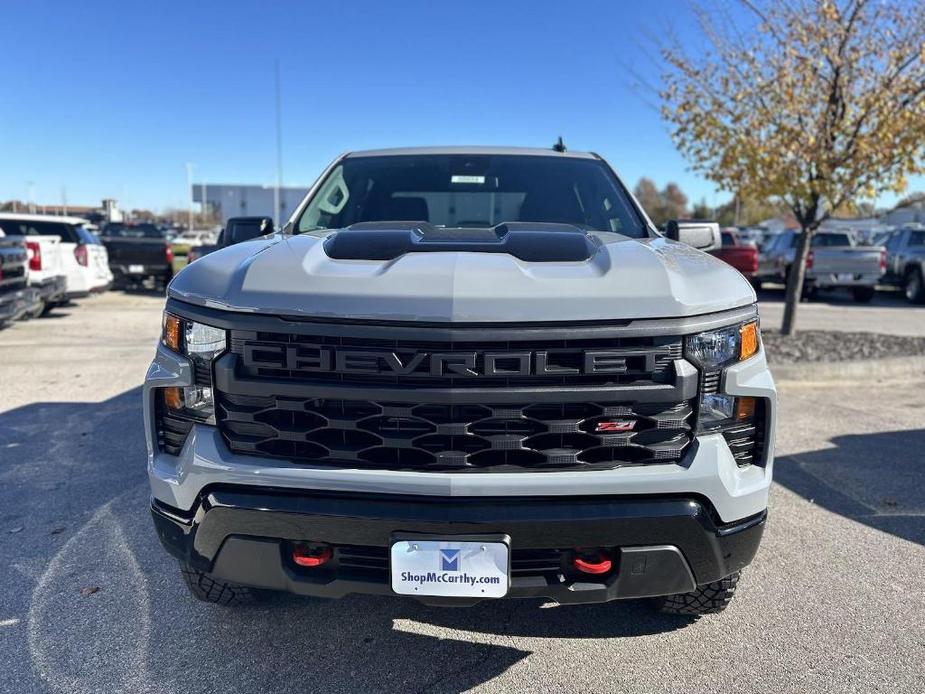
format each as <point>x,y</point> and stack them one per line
<point>403,436</point>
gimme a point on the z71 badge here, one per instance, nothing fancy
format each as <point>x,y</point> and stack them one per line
<point>616,425</point>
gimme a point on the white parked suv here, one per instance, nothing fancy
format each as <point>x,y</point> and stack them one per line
<point>78,255</point>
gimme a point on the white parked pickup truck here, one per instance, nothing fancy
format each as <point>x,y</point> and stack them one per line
<point>462,374</point>
<point>834,262</point>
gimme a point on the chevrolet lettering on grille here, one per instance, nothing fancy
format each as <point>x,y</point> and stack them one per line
<point>322,359</point>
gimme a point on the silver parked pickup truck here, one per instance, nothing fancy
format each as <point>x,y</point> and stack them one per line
<point>834,262</point>
<point>905,252</point>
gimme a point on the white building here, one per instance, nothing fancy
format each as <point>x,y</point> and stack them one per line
<point>913,213</point>
<point>230,200</point>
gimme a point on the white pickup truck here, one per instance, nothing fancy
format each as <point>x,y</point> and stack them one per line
<point>834,262</point>
<point>461,374</point>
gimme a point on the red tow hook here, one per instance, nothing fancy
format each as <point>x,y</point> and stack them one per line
<point>311,556</point>
<point>592,563</point>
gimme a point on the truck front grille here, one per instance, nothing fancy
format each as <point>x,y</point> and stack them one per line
<point>402,362</point>
<point>454,437</point>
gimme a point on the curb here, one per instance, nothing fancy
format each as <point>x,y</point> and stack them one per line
<point>889,368</point>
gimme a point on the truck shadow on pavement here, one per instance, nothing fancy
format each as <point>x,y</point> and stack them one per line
<point>103,607</point>
<point>877,479</point>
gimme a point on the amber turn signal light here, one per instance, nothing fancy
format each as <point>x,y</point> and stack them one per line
<point>745,408</point>
<point>748,341</point>
<point>173,398</point>
<point>171,336</point>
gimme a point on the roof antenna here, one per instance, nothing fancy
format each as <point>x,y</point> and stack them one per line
<point>559,146</point>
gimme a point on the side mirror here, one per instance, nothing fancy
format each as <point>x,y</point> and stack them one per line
<point>238,229</point>
<point>703,236</point>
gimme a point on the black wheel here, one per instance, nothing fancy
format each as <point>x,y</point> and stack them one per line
<point>707,599</point>
<point>40,310</point>
<point>862,295</point>
<point>216,591</point>
<point>914,286</point>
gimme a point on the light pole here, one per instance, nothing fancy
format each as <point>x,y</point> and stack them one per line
<point>279,150</point>
<point>189,192</point>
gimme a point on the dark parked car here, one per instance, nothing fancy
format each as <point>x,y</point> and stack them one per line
<point>236,230</point>
<point>138,253</point>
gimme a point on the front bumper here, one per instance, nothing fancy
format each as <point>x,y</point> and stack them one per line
<point>661,546</point>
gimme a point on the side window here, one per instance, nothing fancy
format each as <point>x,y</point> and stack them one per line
<point>327,203</point>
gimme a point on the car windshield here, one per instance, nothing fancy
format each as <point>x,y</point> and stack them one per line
<point>917,238</point>
<point>138,231</point>
<point>822,240</point>
<point>459,190</point>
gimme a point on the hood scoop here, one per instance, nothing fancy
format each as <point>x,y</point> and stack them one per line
<point>533,242</point>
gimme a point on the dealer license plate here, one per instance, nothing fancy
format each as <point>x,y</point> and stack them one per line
<point>844,277</point>
<point>450,569</point>
<point>136,269</point>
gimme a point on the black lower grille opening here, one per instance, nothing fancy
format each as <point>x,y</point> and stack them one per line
<point>450,437</point>
<point>524,562</point>
<point>746,441</point>
<point>172,430</point>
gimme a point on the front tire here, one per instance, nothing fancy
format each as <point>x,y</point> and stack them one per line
<point>914,286</point>
<point>863,295</point>
<point>207,588</point>
<point>707,599</point>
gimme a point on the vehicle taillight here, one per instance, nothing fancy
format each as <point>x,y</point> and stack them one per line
<point>80,252</point>
<point>168,253</point>
<point>809,260</point>
<point>35,255</point>
<point>882,261</point>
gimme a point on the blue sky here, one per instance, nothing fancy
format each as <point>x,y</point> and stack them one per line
<point>111,99</point>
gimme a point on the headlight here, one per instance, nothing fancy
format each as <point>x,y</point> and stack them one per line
<point>201,343</point>
<point>713,351</point>
<point>718,348</point>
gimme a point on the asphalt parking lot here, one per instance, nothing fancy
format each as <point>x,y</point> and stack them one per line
<point>889,313</point>
<point>91,603</point>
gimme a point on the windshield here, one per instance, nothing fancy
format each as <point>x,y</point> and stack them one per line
<point>458,190</point>
<point>821,240</point>
<point>138,231</point>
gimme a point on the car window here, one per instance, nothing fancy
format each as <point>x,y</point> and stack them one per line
<point>457,190</point>
<point>830,239</point>
<point>138,231</point>
<point>19,227</point>
<point>917,238</point>
<point>824,240</point>
<point>728,239</point>
<point>84,235</point>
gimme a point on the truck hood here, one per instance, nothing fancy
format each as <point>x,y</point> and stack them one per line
<point>624,279</point>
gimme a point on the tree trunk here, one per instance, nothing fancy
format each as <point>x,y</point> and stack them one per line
<point>795,282</point>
